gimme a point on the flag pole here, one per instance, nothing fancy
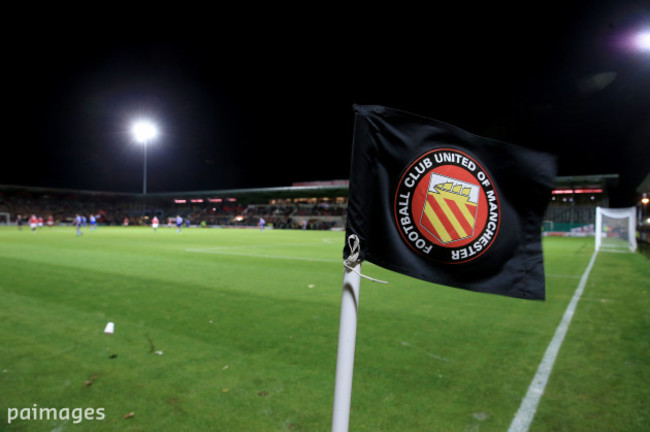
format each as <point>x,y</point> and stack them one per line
<point>347,340</point>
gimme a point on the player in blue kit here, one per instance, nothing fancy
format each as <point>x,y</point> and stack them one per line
<point>78,221</point>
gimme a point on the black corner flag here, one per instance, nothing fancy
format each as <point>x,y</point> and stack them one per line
<point>437,203</point>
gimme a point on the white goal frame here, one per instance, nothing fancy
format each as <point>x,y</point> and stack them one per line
<point>5,218</point>
<point>619,213</point>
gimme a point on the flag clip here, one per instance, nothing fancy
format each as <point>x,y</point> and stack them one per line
<point>353,258</point>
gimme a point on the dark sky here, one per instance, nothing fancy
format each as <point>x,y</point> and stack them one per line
<point>263,97</point>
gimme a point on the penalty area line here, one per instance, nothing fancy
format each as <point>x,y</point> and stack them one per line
<point>528,407</point>
<point>253,255</point>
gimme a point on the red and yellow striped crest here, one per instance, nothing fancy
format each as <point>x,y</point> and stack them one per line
<point>450,207</point>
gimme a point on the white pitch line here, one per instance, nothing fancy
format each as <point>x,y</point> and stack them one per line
<point>284,257</point>
<point>528,407</point>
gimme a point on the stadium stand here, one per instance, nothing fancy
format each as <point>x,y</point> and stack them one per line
<point>305,205</point>
<point>572,208</point>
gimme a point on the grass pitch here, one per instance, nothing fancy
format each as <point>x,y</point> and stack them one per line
<point>236,330</point>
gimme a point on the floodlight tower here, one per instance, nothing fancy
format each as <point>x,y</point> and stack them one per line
<point>144,131</point>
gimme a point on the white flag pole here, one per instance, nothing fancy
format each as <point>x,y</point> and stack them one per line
<point>345,355</point>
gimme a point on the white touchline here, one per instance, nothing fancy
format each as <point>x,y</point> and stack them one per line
<point>528,407</point>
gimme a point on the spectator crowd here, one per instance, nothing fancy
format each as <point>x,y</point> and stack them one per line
<point>114,210</point>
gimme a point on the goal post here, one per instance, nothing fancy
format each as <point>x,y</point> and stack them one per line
<point>615,229</point>
<point>4,218</point>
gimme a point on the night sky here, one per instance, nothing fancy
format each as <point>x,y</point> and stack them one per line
<point>263,97</point>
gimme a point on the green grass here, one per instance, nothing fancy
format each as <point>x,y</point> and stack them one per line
<point>247,327</point>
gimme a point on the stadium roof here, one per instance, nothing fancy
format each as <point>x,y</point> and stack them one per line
<point>604,181</point>
<point>263,194</point>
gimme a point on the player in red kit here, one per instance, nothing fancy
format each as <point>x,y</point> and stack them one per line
<point>33,222</point>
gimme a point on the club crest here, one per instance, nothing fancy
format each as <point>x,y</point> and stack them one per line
<point>446,207</point>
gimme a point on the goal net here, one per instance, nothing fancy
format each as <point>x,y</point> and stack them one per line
<point>615,229</point>
<point>4,218</point>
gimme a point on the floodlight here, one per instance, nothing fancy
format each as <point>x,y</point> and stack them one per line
<point>143,131</point>
<point>643,40</point>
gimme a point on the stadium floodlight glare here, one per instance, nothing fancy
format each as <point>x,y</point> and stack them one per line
<point>643,40</point>
<point>144,131</point>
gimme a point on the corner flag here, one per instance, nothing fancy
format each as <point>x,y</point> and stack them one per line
<point>432,201</point>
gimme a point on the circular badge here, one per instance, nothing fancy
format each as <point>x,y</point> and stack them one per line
<point>446,207</point>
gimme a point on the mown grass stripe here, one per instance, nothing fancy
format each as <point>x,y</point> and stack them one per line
<point>253,255</point>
